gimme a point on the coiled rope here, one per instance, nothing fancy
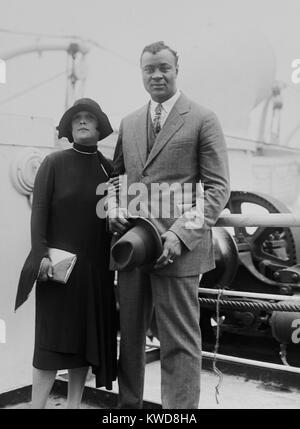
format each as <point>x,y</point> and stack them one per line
<point>250,305</point>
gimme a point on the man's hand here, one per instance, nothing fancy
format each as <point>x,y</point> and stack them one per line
<point>117,219</point>
<point>46,270</point>
<point>172,249</point>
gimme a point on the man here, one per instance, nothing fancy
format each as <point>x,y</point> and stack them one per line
<point>169,140</point>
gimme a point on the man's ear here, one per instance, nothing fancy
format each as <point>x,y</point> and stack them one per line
<point>177,69</point>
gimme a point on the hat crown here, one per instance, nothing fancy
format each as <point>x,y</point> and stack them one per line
<point>139,246</point>
<point>88,102</point>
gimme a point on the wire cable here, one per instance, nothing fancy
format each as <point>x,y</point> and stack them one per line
<point>32,34</point>
<point>56,36</point>
<point>32,88</point>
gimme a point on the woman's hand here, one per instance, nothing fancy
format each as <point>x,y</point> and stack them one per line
<point>45,271</point>
<point>117,216</point>
<point>117,219</point>
<point>114,187</point>
<point>115,183</point>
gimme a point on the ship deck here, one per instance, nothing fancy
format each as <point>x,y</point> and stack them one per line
<point>236,391</point>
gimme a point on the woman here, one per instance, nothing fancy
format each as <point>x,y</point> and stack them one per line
<point>75,322</point>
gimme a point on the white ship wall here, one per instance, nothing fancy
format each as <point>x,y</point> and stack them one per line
<point>16,329</point>
<point>20,137</point>
<point>267,169</point>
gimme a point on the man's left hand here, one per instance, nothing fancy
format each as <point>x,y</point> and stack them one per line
<point>172,249</point>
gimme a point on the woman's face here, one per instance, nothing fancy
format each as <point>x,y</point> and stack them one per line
<point>84,128</point>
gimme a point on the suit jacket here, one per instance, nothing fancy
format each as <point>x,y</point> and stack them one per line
<point>190,147</point>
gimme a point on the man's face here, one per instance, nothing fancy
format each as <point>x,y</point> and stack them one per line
<point>84,128</point>
<point>159,74</point>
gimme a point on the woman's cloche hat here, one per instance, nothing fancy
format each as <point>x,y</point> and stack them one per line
<point>89,105</point>
<point>140,246</point>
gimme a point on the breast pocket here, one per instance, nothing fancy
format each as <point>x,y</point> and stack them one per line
<point>182,144</point>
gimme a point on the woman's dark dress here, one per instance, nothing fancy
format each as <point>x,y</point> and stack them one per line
<point>76,322</point>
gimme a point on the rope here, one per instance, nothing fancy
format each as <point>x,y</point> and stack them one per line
<point>283,354</point>
<point>216,349</point>
<point>251,305</point>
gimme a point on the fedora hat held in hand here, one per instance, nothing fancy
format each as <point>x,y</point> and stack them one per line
<point>141,245</point>
<point>87,105</point>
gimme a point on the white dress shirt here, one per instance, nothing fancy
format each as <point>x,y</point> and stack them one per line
<point>167,106</point>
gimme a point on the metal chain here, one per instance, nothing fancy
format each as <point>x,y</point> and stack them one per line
<point>251,305</point>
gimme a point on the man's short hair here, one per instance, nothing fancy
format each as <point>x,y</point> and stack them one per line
<point>156,47</point>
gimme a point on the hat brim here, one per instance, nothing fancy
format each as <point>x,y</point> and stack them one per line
<point>65,127</point>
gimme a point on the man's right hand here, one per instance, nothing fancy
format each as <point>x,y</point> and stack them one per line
<point>117,219</point>
<point>45,272</point>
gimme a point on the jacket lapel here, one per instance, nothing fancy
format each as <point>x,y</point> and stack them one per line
<point>173,123</point>
<point>140,131</point>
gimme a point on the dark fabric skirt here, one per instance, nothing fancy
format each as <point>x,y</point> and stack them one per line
<point>76,323</point>
<point>49,360</point>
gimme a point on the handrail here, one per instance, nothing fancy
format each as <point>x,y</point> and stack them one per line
<point>267,220</point>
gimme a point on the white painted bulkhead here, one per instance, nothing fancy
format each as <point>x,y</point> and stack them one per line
<point>22,141</point>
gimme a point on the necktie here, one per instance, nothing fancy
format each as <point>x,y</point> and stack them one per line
<point>156,119</point>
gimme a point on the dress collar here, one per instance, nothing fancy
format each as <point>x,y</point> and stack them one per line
<point>87,150</point>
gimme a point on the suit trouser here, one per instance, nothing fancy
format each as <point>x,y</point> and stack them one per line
<point>177,314</point>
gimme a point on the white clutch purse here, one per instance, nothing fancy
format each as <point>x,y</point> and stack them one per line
<point>62,263</point>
